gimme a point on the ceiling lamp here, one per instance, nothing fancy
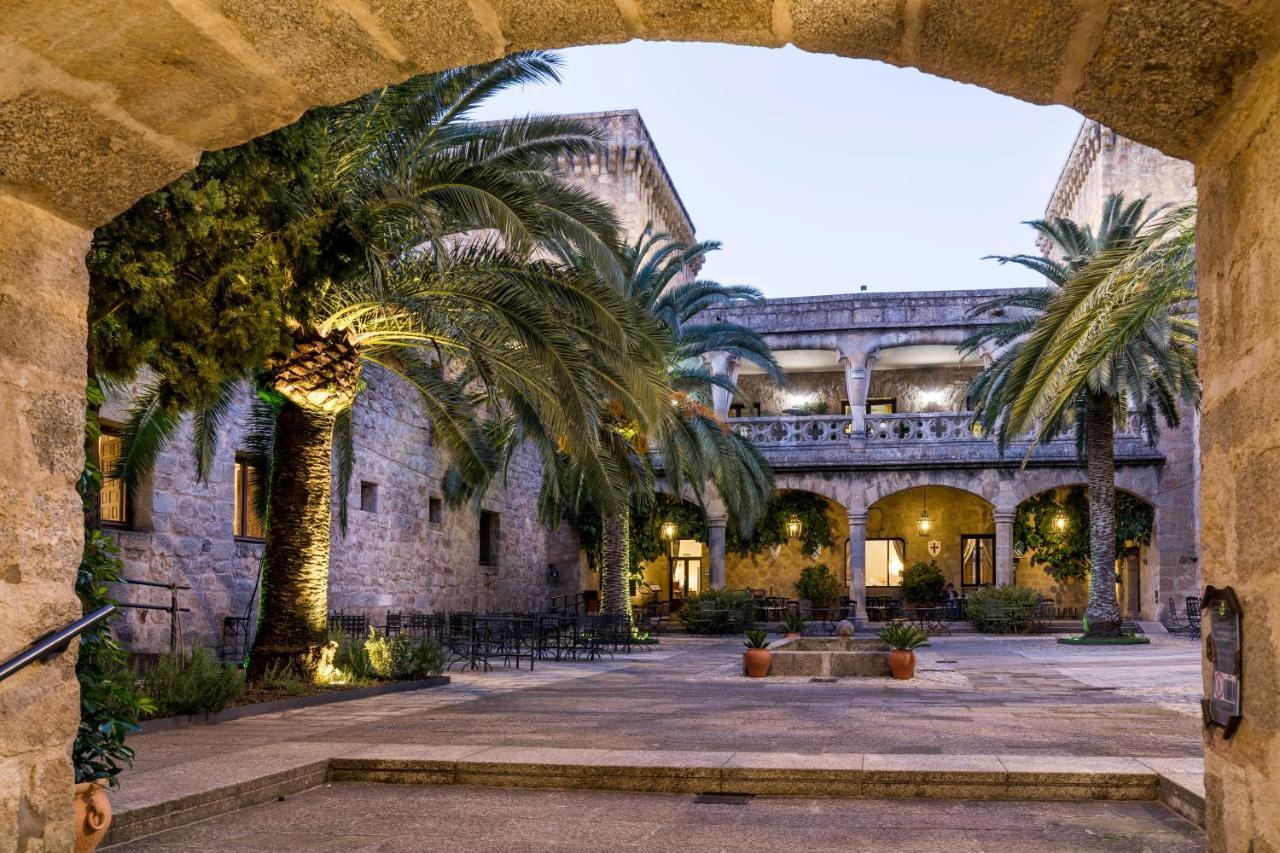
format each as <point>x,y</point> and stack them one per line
<point>925,524</point>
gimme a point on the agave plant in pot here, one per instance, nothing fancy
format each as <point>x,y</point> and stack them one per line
<point>903,639</point>
<point>792,624</point>
<point>758,657</point>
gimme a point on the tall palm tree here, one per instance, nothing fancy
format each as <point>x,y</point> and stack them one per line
<point>420,232</point>
<point>1112,335</point>
<point>688,445</point>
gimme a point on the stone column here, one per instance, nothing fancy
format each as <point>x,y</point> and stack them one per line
<point>721,364</point>
<point>1004,546</point>
<point>716,550</point>
<point>858,560</point>
<point>856,380</point>
<point>44,289</point>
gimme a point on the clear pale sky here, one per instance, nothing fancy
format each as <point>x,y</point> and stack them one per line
<point>821,174</point>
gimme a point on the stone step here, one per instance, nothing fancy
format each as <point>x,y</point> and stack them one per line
<point>1173,781</point>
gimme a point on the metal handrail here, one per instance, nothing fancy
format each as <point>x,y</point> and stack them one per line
<point>54,642</point>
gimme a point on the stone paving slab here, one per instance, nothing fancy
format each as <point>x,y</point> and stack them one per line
<point>1009,698</point>
<point>361,817</point>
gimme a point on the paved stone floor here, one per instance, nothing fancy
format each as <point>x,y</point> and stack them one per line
<point>974,695</point>
<point>386,818</point>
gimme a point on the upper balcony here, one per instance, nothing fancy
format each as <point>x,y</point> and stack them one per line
<point>909,408</point>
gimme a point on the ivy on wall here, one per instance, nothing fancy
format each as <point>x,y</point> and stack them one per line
<point>1064,554</point>
<point>646,528</point>
<point>771,530</point>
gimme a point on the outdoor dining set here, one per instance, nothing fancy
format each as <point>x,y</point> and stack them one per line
<point>477,640</point>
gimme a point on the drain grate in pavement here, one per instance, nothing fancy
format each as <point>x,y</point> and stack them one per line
<point>818,679</point>
<point>724,799</point>
<point>948,661</point>
<point>1091,689</point>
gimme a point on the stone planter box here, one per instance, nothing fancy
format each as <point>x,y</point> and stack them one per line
<point>830,657</point>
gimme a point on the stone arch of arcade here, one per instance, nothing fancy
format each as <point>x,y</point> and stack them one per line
<point>99,106</point>
<point>1154,575</point>
<point>775,570</point>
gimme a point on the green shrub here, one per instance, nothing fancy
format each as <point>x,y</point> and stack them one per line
<point>399,658</point>
<point>922,583</point>
<point>718,611</point>
<point>351,660</point>
<point>191,685</point>
<point>281,676</point>
<point>1016,603</point>
<point>819,585</point>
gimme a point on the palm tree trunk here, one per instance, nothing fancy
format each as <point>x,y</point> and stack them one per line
<point>295,575</point>
<point>1102,615</point>
<point>613,575</point>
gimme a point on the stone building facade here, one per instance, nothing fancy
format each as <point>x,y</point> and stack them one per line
<point>404,549</point>
<point>880,461</point>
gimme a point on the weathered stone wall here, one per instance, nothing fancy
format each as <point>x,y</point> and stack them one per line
<point>43,295</point>
<point>953,513</point>
<point>630,175</point>
<point>778,574</point>
<point>816,389</point>
<point>1239,271</point>
<point>394,558</point>
<point>910,387</point>
<point>1102,162</point>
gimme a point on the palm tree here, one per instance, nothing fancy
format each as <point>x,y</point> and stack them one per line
<point>420,233</point>
<point>689,445</point>
<point>1112,335</point>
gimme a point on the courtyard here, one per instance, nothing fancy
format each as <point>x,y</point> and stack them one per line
<point>977,702</point>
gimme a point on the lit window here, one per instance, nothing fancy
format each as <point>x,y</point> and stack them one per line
<point>489,538</point>
<point>114,497</point>
<point>245,524</point>
<point>978,560</point>
<point>884,561</point>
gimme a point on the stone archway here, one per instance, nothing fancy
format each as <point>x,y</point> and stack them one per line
<point>99,105</point>
<point>1141,584</point>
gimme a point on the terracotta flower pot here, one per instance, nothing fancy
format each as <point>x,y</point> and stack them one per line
<point>902,663</point>
<point>793,635</point>
<point>93,815</point>
<point>756,662</point>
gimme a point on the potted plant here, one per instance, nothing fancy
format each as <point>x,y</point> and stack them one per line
<point>758,657</point>
<point>903,639</point>
<point>792,624</point>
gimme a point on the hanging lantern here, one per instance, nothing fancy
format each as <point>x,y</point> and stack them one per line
<point>669,531</point>
<point>925,524</point>
<point>794,527</point>
<point>1060,522</point>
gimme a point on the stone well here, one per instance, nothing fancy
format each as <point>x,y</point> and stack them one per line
<point>830,657</point>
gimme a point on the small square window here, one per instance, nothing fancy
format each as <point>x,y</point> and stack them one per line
<point>368,496</point>
<point>435,511</point>
<point>489,538</point>
<point>245,524</point>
